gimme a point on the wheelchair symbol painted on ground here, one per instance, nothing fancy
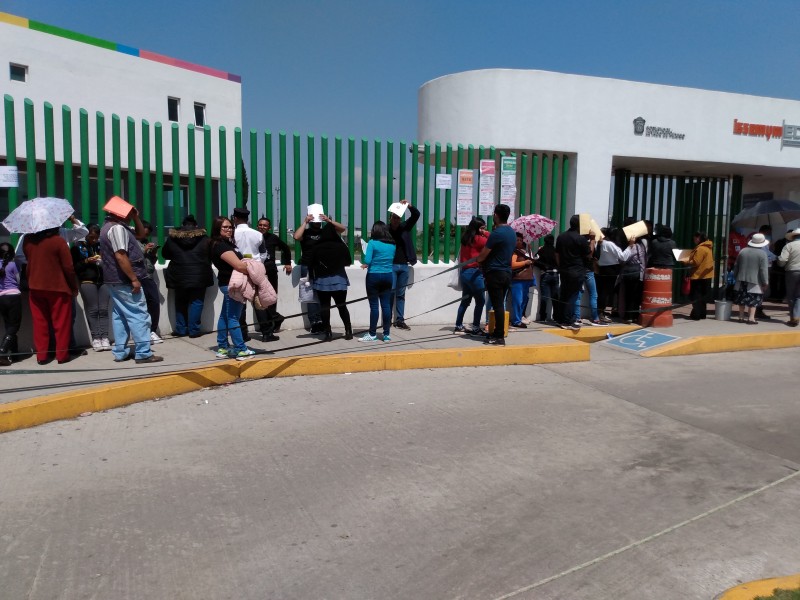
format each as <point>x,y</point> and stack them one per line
<point>639,341</point>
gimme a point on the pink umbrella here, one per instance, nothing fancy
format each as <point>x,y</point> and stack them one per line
<point>533,227</point>
<point>38,214</point>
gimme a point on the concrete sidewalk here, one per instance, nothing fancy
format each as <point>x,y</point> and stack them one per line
<point>31,394</point>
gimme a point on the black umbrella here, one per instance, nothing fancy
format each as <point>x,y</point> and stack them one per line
<point>775,213</point>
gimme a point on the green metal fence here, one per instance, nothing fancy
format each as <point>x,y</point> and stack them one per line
<point>273,175</point>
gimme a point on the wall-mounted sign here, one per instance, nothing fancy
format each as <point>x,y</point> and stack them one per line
<point>791,136</point>
<point>757,130</point>
<point>466,179</point>
<point>444,181</point>
<point>9,177</point>
<point>486,187</point>
<point>640,128</point>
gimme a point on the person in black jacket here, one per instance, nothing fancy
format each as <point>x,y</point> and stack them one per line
<point>270,320</point>
<point>188,274</point>
<point>661,247</point>
<point>95,296</point>
<point>549,286</point>
<point>404,258</point>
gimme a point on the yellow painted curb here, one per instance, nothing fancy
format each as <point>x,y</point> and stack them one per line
<point>762,587</point>
<point>591,334</point>
<point>67,405</point>
<point>727,343</point>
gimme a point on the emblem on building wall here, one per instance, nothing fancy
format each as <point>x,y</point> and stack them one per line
<point>638,126</point>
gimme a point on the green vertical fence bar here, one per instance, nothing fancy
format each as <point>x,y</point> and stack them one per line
<point>436,202</point>
<point>448,196</point>
<point>402,172</point>
<point>535,207</point>
<point>555,205</point>
<point>223,174</point>
<point>634,211</point>
<point>337,180</point>
<point>414,186</point>
<point>208,182</point>
<point>66,131</point>
<point>426,186</point>
<point>101,163</point>
<point>668,220</point>
<point>389,178</point>
<point>323,159</point>
<point>146,197</point>
<point>722,230</point>
<point>298,216</point>
<point>238,168</point>
<point>130,124</point>
<point>564,190</point>
<point>176,175</point>
<point>254,209</point>
<point>364,189</point>
<point>311,196</point>
<point>282,190</point>
<point>268,177</point>
<point>458,167</point>
<point>191,158</point>
<point>11,152</point>
<point>662,200</point>
<point>30,148</point>
<point>376,166</point>
<point>158,136</point>
<point>351,194</point>
<point>652,200</point>
<point>49,151</point>
<point>490,219</point>
<point>116,156</point>
<point>523,185</point>
<point>545,210</point>
<point>83,130</point>
<point>736,195</point>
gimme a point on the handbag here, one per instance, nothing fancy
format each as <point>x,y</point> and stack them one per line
<point>305,292</point>
<point>454,281</point>
<point>686,285</point>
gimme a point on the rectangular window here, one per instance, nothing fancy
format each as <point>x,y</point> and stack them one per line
<point>174,109</point>
<point>18,72</point>
<point>199,114</point>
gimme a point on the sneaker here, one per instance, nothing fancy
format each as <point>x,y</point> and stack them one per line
<point>495,341</point>
<point>459,329</point>
<point>150,359</point>
<point>570,326</point>
<point>316,328</point>
<point>474,330</point>
<point>222,353</point>
<point>402,325</point>
<point>127,357</point>
<point>270,338</point>
<point>155,338</point>
<point>598,323</point>
<point>97,345</point>
<point>245,354</point>
<point>605,319</point>
<point>106,343</point>
<point>368,338</point>
<point>520,325</point>
<point>387,337</point>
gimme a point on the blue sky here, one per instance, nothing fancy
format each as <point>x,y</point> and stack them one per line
<point>354,67</point>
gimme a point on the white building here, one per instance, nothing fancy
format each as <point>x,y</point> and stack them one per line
<point>48,64</point>
<point>609,125</point>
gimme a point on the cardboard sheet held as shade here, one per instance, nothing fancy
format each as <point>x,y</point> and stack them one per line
<point>635,230</point>
<point>681,255</point>
<point>588,225</point>
<point>118,207</point>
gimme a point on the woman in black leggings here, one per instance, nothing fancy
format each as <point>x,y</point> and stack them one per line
<point>329,257</point>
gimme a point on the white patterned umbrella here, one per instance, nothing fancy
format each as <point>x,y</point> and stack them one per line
<point>38,214</point>
<point>533,227</point>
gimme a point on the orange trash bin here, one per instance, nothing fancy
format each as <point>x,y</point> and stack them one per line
<point>657,294</point>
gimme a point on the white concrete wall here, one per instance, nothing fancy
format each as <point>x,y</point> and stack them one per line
<point>79,75</point>
<point>593,117</point>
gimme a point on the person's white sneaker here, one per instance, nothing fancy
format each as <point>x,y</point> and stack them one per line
<point>106,343</point>
<point>155,338</point>
<point>97,345</point>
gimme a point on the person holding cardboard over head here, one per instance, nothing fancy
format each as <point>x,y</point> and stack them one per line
<point>123,269</point>
<point>405,256</point>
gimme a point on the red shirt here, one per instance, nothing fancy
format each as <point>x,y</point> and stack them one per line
<point>471,251</point>
<point>50,267</point>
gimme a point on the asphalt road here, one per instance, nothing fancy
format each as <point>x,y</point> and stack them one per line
<point>622,478</point>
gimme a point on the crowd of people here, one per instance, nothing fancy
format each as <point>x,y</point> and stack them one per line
<point>114,264</point>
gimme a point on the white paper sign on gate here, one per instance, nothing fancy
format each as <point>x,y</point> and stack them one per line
<point>486,188</point>
<point>508,183</point>
<point>9,177</point>
<point>466,186</point>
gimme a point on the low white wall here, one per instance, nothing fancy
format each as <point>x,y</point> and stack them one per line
<point>423,295</point>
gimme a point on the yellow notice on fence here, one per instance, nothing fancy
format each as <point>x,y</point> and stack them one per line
<point>635,230</point>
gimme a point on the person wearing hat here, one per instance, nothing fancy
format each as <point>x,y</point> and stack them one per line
<point>248,242</point>
<point>790,261</point>
<point>124,269</point>
<point>751,271</point>
<point>404,258</point>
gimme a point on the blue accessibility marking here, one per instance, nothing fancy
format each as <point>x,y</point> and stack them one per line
<point>641,340</point>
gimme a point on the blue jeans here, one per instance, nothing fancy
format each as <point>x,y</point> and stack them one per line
<point>548,293</point>
<point>519,299</point>
<point>591,287</point>
<point>189,310</point>
<point>399,283</point>
<point>228,323</point>
<point>379,289</point>
<point>313,308</point>
<point>473,287</point>
<point>129,316</point>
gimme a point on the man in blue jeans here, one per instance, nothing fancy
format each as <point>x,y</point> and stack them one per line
<point>404,257</point>
<point>496,261</point>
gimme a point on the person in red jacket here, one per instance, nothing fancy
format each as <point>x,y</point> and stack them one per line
<point>472,283</point>
<point>53,285</point>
